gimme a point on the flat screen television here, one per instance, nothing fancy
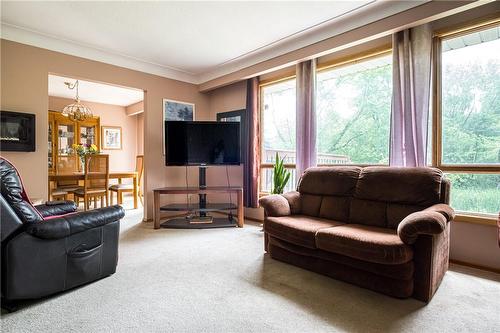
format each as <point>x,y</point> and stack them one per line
<point>202,143</point>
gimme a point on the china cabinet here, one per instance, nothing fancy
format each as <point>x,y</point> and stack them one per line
<point>63,133</point>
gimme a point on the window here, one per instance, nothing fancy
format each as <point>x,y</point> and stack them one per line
<point>277,129</point>
<point>468,140</point>
<point>471,98</point>
<point>353,112</point>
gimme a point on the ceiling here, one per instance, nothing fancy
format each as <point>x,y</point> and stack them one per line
<point>94,92</point>
<point>189,41</point>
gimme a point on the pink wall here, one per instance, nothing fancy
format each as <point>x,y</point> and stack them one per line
<point>24,78</point>
<point>111,115</point>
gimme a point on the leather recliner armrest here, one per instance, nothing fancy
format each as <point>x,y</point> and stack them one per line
<point>70,224</point>
<point>53,208</point>
<point>430,221</point>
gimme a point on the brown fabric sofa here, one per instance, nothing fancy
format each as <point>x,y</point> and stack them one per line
<point>382,228</point>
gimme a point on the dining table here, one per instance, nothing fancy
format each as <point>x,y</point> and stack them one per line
<point>56,176</point>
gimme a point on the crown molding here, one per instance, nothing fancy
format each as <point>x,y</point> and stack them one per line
<point>33,38</point>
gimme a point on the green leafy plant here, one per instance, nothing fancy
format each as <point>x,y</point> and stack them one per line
<point>281,176</point>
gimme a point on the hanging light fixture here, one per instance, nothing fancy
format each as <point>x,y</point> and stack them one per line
<point>76,111</point>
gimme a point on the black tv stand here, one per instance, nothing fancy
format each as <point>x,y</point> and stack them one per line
<point>201,219</point>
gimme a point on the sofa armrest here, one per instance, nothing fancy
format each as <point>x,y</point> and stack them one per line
<point>275,205</point>
<point>70,224</point>
<point>430,221</point>
<point>293,198</point>
<point>52,208</point>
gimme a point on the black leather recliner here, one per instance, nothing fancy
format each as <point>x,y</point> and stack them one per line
<point>51,248</point>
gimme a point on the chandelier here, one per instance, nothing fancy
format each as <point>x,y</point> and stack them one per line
<point>76,111</point>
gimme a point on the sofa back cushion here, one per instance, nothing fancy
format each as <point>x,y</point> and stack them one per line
<point>376,196</point>
<point>326,191</point>
<point>384,196</point>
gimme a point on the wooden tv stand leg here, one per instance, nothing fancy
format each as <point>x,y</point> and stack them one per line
<point>241,214</point>
<point>156,209</point>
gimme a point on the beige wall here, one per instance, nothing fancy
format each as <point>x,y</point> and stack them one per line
<point>24,78</point>
<point>140,133</point>
<point>110,115</point>
<point>135,108</point>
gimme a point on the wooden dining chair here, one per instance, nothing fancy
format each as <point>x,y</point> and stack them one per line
<point>120,188</point>
<point>66,164</point>
<point>96,181</point>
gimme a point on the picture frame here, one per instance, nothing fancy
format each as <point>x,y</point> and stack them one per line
<point>174,110</point>
<point>111,138</point>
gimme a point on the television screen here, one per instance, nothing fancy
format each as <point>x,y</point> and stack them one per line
<point>202,143</point>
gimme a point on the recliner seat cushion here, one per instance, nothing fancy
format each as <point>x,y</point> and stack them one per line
<point>297,229</point>
<point>368,243</point>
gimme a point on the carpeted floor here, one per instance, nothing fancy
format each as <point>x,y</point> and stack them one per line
<point>219,280</point>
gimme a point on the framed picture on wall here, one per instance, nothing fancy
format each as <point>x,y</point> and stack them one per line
<point>176,111</point>
<point>111,137</point>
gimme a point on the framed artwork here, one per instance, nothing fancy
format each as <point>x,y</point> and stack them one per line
<point>175,111</point>
<point>111,137</point>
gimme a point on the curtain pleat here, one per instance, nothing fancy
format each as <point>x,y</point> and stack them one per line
<point>306,117</point>
<point>412,55</point>
<point>251,167</point>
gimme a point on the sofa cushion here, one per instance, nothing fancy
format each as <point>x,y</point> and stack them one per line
<point>297,229</point>
<point>335,208</point>
<point>396,213</point>
<point>368,212</point>
<point>310,204</point>
<point>336,180</point>
<point>373,244</point>
<point>410,186</point>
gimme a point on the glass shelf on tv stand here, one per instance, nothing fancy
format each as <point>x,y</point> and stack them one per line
<point>196,207</point>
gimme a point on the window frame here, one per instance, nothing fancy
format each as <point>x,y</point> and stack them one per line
<point>437,127</point>
<point>344,61</point>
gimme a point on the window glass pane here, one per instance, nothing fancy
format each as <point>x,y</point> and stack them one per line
<point>471,98</point>
<point>353,112</point>
<point>278,121</point>
<point>266,180</point>
<point>475,192</point>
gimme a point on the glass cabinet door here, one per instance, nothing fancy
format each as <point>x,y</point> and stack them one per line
<point>88,135</point>
<point>66,138</point>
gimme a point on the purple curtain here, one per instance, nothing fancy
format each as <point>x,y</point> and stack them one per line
<point>251,166</point>
<point>306,117</point>
<point>411,76</point>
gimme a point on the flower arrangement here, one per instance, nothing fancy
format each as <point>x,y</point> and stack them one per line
<point>84,149</point>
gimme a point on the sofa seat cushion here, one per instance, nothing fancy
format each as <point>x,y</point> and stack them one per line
<point>400,272</point>
<point>298,229</point>
<point>368,243</point>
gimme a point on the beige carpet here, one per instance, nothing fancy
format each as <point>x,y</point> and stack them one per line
<point>220,281</point>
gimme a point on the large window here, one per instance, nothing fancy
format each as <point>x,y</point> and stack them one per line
<point>469,113</point>
<point>353,112</point>
<point>277,129</point>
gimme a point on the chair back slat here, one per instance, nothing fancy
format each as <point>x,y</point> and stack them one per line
<point>139,168</point>
<point>96,172</point>
<point>66,164</point>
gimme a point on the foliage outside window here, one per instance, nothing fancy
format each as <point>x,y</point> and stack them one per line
<point>470,118</point>
<point>277,130</point>
<point>353,112</point>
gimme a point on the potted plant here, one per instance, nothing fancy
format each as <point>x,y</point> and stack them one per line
<point>281,176</point>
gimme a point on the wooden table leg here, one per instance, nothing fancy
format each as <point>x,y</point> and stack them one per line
<point>241,214</point>
<point>135,192</point>
<point>156,208</point>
